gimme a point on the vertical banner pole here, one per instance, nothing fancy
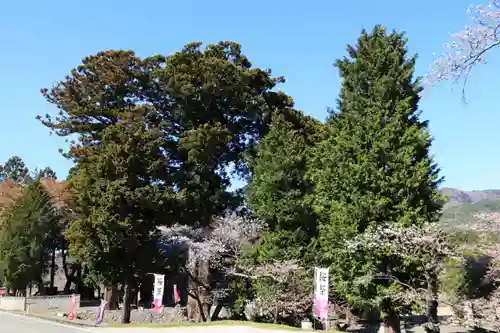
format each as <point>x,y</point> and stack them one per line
<point>177,297</point>
<point>158,289</point>
<point>100,313</point>
<point>72,312</point>
<point>321,287</point>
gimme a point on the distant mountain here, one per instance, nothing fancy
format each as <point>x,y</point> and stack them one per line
<point>461,206</point>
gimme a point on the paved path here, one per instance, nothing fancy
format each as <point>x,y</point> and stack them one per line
<point>22,324</point>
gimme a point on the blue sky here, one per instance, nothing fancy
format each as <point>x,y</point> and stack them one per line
<point>42,40</point>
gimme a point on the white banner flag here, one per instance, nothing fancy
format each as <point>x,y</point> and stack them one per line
<point>321,292</point>
<point>158,288</point>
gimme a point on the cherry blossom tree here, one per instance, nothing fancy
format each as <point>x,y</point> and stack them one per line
<point>220,246</point>
<point>400,265</point>
<point>469,47</point>
<point>284,291</point>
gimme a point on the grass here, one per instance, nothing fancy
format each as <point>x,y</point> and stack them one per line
<point>216,323</point>
<point>40,315</point>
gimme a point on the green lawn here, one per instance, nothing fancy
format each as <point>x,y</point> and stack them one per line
<point>215,323</point>
<point>173,325</point>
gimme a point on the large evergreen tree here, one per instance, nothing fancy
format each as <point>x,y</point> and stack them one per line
<point>277,192</point>
<point>25,237</point>
<point>15,169</point>
<point>190,118</point>
<point>119,201</point>
<point>376,168</point>
<point>211,105</point>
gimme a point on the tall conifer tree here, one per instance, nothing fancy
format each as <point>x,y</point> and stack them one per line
<point>375,170</point>
<point>278,189</point>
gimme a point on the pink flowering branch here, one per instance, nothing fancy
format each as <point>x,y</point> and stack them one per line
<point>469,46</point>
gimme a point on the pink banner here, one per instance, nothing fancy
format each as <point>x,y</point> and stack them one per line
<point>321,308</point>
<point>100,313</point>
<point>157,305</point>
<point>72,312</point>
<point>321,286</point>
<point>177,298</point>
<point>159,281</point>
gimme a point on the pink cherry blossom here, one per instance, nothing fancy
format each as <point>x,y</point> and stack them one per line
<point>469,46</point>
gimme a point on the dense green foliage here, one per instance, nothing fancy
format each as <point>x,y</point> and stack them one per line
<point>158,141</point>
<point>368,166</point>
<point>376,168</point>
<point>278,189</point>
<point>119,202</point>
<point>210,105</point>
<point>14,169</point>
<point>155,145</point>
<point>25,237</point>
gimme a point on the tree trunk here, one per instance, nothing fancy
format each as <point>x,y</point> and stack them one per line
<point>79,285</point>
<point>194,307</point>
<point>205,292</point>
<point>200,281</point>
<point>206,302</point>
<point>432,311</point>
<point>206,311</point>
<point>432,295</point>
<point>432,325</point>
<point>111,295</point>
<point>70,278</point>
<point>126,303</point>
<point>52,268</point>
<point>392,323</point>
<point>217,311</point>
<point>41,287</point>
<point>67,273</point>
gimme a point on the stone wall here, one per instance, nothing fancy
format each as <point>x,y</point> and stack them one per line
<point>11,303</point>
<point>59,303</point>
<point>445,311</point>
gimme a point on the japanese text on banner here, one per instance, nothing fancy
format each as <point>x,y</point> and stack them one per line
<point>159,286</point>
<point>321,292</point>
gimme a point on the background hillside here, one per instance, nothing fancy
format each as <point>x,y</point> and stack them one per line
<point>462,205</point>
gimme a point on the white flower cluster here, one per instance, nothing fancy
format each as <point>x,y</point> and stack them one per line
<point>485,222</point>
<point>407,242</point>
<point>219,243</point>
<point>469,45</point>
<point>425,245</point>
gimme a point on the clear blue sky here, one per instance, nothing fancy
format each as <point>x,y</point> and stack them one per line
<point>42,40</point>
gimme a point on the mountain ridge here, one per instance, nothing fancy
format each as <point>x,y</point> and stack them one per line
<point>461,206</point>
